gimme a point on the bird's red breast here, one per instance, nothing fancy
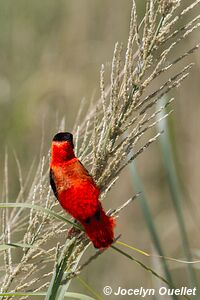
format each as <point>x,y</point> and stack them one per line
<point>77,192</point>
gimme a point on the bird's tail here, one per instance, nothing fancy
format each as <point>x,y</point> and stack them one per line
<point>100,229</point>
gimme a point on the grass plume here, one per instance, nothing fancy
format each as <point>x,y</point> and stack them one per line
<point>116,129</point>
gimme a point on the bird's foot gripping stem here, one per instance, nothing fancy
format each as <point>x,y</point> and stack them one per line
<point>73,231</point>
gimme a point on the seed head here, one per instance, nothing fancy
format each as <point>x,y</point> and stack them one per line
<point>166,6</point>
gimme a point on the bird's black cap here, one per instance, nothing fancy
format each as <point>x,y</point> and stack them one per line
<point>64,136</point>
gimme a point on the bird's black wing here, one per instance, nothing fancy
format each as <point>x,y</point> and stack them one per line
<point>52,183</point>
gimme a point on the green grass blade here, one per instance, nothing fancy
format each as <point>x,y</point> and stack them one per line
<point>172,259</point>
<point>149,220</point>
<point>57,289</point>
<point>14,245</point>
<point>78,296</point>
<point>20,294</point>
<point>141,264</point>
<point>89,288</point>
<point>39,208</point>
<point>175,190</point>
<point>55,283</point>
<point>145,267</point>
<point>63,288</point>
<point>133,248</point>
<point>67,295</point>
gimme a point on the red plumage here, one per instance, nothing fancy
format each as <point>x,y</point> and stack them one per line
<point>77,192</point>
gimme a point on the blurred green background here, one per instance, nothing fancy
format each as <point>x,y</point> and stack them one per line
<point>50,57</point>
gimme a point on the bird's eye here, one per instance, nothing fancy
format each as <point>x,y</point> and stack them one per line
<point>87,221</point>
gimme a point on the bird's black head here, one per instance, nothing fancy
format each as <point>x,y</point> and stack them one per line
<point>64,137</point>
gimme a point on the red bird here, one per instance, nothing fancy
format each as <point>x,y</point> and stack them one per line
<point>77,192</point>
